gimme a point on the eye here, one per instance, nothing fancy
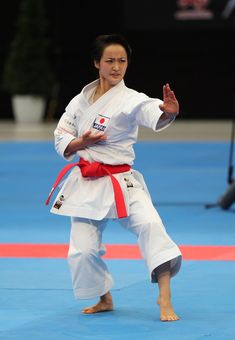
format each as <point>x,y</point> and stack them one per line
<point>123,60</point>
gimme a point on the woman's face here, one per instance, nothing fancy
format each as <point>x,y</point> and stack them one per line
<point>112,65</point>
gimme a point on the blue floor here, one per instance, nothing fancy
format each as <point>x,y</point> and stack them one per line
<point>36,299</point>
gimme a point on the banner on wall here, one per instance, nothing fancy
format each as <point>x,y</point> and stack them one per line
<point>152,14</point>
<point>193,10</point>
<point>203,9</point>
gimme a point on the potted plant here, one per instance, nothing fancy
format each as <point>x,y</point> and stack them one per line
<point>27,74</point>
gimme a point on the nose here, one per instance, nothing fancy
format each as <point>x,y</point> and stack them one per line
<point>115,66</point>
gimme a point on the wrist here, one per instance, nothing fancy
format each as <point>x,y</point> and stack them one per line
<point>75,145</point>
<point>166,115</point>
<point>80,144</point>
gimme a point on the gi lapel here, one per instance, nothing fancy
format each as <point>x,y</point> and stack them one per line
<point>98,114</point>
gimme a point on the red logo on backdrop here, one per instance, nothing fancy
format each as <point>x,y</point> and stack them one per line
<point>102,120</point>
<point>193,10</point>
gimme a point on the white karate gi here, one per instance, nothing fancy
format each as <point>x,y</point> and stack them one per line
<point>90,201</point>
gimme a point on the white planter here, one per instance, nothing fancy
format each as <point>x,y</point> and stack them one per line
<point>28,109</point>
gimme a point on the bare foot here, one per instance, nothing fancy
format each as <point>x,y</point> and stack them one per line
<point>167,312</point>
<point>105,304</point>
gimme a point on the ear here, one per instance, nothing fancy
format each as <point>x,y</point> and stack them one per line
<point>96,64</point>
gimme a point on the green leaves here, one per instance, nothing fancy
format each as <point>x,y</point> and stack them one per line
<point>27,69</point>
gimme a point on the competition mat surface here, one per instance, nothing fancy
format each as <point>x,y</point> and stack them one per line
<point>36,298</point>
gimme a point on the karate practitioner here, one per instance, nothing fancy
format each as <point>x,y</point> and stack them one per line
<point>100,127</point>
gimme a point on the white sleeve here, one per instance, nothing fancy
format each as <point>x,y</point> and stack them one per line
<point>66,130</point>
<point>149,115</point>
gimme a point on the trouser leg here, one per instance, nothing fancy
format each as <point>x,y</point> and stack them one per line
<point>157,248</point>
<point>90,276</point>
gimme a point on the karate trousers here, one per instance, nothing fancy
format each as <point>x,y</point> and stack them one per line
<point>90,275</point>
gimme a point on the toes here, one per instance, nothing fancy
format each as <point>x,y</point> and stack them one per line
<point>169,318</point>
<point>87,311</point>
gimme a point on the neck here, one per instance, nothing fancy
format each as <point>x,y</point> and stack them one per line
<point>101,89</point>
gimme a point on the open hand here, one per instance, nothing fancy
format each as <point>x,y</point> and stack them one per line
<point>92,137</point>
<point>87,139</point>
<point>170,105</point>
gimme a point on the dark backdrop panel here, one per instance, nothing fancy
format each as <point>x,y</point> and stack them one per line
<point>195,56</point>
<point>196,65</point>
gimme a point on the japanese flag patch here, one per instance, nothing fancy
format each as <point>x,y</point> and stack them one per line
<point>101,122</point>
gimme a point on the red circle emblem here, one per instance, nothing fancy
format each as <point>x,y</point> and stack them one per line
<point>102,120</point>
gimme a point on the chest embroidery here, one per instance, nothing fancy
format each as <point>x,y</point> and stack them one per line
<point>101,122</point>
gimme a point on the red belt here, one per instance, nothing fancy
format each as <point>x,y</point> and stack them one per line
<point>96,169</point>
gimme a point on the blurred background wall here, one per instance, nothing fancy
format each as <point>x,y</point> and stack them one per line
<point>188,43</point>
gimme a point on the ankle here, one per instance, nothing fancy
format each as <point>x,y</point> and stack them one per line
<point>164,300</point>
<point>106,297</point>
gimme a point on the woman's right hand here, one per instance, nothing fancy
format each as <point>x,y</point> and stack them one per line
<point>92,137</point>
<point>89,138</point>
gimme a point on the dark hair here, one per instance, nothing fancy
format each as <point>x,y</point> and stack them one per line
<point>102,41</point>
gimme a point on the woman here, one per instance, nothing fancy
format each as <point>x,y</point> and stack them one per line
<point>100,126</point>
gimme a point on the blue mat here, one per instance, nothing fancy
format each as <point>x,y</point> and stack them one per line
<point>36,299</point>
<point>37,303</point>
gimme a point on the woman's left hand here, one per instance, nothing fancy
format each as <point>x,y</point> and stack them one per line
<point>170,105</point>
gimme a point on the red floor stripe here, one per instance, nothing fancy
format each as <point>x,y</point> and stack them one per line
<point>114,251</point>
